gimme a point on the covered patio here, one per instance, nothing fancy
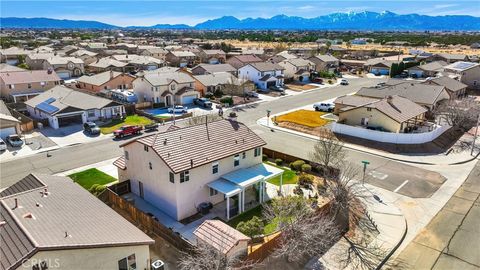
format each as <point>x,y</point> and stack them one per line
<point>240,189</point>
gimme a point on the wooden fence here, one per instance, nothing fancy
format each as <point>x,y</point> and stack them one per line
<point>266,249</point>
<point>144,221</point>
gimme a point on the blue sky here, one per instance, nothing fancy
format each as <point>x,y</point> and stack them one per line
<point>145,13</point>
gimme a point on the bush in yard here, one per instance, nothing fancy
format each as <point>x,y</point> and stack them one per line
<point>298,191</point>
<point>297,165</point>
<point>278,161</point>
<point>264,157</point>
<point>330,81</point>
<point>305,180</point>
<point>228,100</point>
<point>96,189</point>
<point>210,95</point>
<point>218,93</point>
<point>306,168</point>
<point>251,227</point>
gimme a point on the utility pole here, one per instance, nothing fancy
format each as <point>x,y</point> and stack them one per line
<point>365,163</point>
<point>173,109</point>
<point>475,136</point>
<point>268,117</point>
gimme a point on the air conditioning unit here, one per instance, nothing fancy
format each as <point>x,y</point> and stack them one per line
<point>158,265</point>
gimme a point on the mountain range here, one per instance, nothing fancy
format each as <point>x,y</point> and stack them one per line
<point>336,21</point>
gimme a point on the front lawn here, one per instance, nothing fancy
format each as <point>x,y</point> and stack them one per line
<point>303,117</point>
<point>289,176</point>
<point>269,228</point>
<point>129,120</point>
<point>89,177</point>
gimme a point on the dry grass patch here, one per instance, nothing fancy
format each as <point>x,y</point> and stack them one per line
<point>306,118</point>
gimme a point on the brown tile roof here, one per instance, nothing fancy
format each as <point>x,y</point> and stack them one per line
<point>28,183</point>
<point>398,108</point>
<point>355,101</point>
<point>266,66</point>
<point>120,163</point>
<point>451,84</point>
<point>419,93</point>
<point>201,144</point>
<point>219,235</point>
<point>28,76</point>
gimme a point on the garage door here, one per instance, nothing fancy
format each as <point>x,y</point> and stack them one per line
<point>188,99</point>
<point>4,132</point>
<point>151,67</point>
<point>70,120</point>
<point>272,83</point>
<point>63,75</point>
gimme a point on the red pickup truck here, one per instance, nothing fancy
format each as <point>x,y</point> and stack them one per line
<point>127,131</point>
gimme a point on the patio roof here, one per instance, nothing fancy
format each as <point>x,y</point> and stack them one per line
<point>251,175</point>
<point>225,187</point>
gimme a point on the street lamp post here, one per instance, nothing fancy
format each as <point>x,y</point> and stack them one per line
<point>365,163</point>
<point>268,117</point>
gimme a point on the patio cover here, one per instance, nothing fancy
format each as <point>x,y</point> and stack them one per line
<point>225,187</point>
<point>251,175</point>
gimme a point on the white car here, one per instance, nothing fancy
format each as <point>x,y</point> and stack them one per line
<point>3,145</point>
<point>177,109</point>
<point>323,107</point>
<point>344,82</point>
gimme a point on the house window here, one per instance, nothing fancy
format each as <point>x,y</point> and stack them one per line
<point>475,83</point>
<point>126,155</point>
<point>213,192</point>
<point>29,85</point>
<point>128,263</point>
<point>11,86</point>
<point>153,88</point>
<point>236,160</point>
<point>145,148</point>
<point>184,176</point>
<point>172,177</point>
<point>244,155</point>
<point>215,168</point>
<point>150,165</point>
<point>40,266</point>
<point>369,109</point>
<point>172,87</point>
<point>91,113</point>
<point>258,151</point>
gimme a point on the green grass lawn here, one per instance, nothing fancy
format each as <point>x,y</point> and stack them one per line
<point>256,211</point>
<point>90,177</point>
<point>129,120</point>
<point>289,176</point>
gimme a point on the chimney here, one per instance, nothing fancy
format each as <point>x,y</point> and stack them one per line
<point>111,74</point>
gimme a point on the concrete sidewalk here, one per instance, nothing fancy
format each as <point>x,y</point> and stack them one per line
<point>436,159</point>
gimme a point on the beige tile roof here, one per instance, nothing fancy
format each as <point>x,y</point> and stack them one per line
<point>214,68</point>
<point>355,101</point>
<point>266,66</point>
<point>300,62</point>
<point>398,108</point>
<point>201,144</point>
<point>161,78</point>
<point>326,58</point>
<point>248,58</point>
<point>58,60</point>
<point>219,235</point>
<point>107,62</point>
<point>101,78</point>
<point>9,68</point>
<point>451,84</point>
<point>218,79</point>
<point>29,76</point>
<point>432,66</point>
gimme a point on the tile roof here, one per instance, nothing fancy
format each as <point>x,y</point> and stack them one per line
<point>300,62</point>
<point>82,53</point>
<point>101,78</point>
<point>326,58</point>
<point>107,62</point>
<point>218,78</point>
<point>29,182</point>
<point>461,66</point>
<point>432,66</point>
<point>40,56</point>
<point>219,235</point>
<point>216,68</point>
<point>248,58</point>
<point>8,68</point>
<point>120,163</point>
<point>201,144</point>
<point>398,108</point>
<point>29,76</point>
<point>452,56</point>
<point>160,78</point>
<point>13,51</point>
<point>213,52</point>
<point>451,84</point>
<point>266,66</point>
<point>58,60</point>
<point>355,101</point>
<point>183,53</point>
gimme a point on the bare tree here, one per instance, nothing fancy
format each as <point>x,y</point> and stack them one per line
<point>207,257</point>
<point>460,114</point>
<point>328,151</point>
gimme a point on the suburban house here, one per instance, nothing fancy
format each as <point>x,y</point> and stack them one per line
<point>105,81</point>
<point>426,70</point>
<point>351,101</point>
<point>95,46</point>
<point>87,57</point>
<point>165,88</point>
<point>12,55</point>
<point>203,69</point>
<point>9,68</point>
<point>152,51</point>
<point>449,58</point>
<point>35,60</point>
<point>8,124</point>
<point>106,64</point>
<point>325,62</point>
<point>181,58</point>
<point>65,67</point>
<point>222,81</point>
<point>297,69</point>
<point>50,222</point>
<point>379,66</point>
<point>282,56</point>
<point>466,72</point>
<point>179,169</point>
<point>61,106</point>
<point>127,47</point>
<point>139,62</point>
<point>454,88</point>
<point>263,74</point>
<point>238,61</point>
<point>391,114</point>
<point>19,86</point>
<point>212,56</point>
<point>428,96</point>
<point>222,237</point>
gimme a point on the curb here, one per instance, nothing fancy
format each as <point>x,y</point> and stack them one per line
<point>385,260</point>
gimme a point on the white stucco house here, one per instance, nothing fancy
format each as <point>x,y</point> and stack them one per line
<point>179,169</point>
<point>263,74</point>
<point>297,69</point>
<point>62,106</point>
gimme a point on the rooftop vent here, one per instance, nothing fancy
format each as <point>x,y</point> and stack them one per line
<point>67,235</point>
<point>165,142</point>
<point>29,216</point>
<point>37,204</point>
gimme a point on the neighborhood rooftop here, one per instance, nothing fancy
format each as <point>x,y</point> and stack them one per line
<point>29,76</point>
<point>219,235</point>
<point>420,93</point>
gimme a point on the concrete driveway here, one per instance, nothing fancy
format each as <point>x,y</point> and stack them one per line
<point>69,135</point>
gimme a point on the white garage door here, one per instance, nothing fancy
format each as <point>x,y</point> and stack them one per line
<point>188,99</point>
<point>151,67</point>
<point>63,75</point>
<point>4,132</point>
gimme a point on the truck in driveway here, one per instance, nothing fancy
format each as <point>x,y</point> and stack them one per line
<point>127,131</point>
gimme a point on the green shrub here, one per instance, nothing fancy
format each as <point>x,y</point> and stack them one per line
<point>251,227</point>
<point>264,157</point>
<point>298,191</point>
<point>278,161</point>
<point>218,93</point>
<point>306,168</point>
<point>210,95</point>
<point>297,165</point>
<point>228,100</point>
<point>305,180</point>
<point>330,81</point>
<point>96,189</point>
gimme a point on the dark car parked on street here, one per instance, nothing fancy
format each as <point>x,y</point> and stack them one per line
<point>91,128</point>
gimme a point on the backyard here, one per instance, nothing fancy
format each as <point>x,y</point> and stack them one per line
<point>289,176</point>
<point>90,177</point>
<point>129,120</point>
<point>311,119</point>
<point>269,228</point>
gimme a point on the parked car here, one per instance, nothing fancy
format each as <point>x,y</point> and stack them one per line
<point>177,109</point>
<point>127,131</point>
<point>251,94</point>
<point>317,80</point>
<point>323,107</point>
<point>91,128</point>
<point>14,140</point>
<point>3,145</point>
<point>277,88</point>
<point>151,127</point>
<point>203,102</point>
<point>344,82</point>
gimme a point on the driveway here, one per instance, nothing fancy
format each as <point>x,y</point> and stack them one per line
<point>33,142</point>
<point>69,135</point>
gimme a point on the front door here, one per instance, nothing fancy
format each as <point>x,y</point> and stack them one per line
<point>140,188</point>
<point>364,122</point>
<point>168,101</point>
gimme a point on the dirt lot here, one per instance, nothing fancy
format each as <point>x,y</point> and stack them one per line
<point>306,118</point>
<point>299,87</point>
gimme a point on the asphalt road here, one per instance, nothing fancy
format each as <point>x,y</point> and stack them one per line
<point>404,179</point>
